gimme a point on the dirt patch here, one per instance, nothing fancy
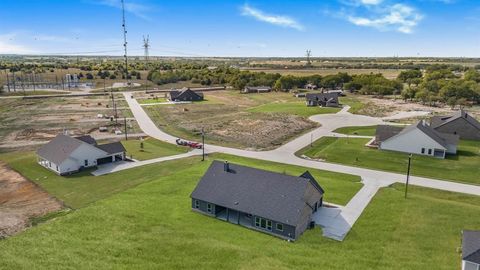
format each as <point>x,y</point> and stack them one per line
<point>20,201</point>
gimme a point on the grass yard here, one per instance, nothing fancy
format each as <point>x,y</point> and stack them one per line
<point>152,148</point>
<point>362,131</point>
<point>296,108</point>
<point>152,226</point>
<point>151,100</point>
<point>355,104</point>
<point>463,167</point>
<point>81,189</point>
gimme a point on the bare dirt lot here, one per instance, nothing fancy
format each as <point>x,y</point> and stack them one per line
<point>227,121</point>
<point>35,121</point>
<point>20,201</point>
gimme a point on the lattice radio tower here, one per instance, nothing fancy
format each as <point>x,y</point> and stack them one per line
<point>146,46</point>
<point>125,40</point>
<point>309,53</point>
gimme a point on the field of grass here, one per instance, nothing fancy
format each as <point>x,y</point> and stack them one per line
<point>30,93</point>
<point>81,189</point>
<point>362,131</point>
<point>462,167</point>
<point>355,104</point>
<point>152,148</point>
<point>151,100</point>
<point>296,108</point>
<point>152,226</point>
<point>388,73</point>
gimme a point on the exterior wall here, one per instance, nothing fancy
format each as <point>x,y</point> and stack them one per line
<point>461,127</point>
<point>48,164</point>
<point>288,231</point>
<point>411,142</point>
<point>470,266</point>
<point>312,197</point>
<point>89,153</point>
<point>69,165</point>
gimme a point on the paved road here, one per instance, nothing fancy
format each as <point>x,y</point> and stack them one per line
<point>337,225</point>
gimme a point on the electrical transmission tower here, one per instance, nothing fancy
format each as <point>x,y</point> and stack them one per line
<point>146,46</point>
<point>309,53</point>
<point>125,40</point>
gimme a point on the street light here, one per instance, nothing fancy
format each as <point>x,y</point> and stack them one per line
<point>408,174</point>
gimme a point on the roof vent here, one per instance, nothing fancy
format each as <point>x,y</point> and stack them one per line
<point>226,166</point>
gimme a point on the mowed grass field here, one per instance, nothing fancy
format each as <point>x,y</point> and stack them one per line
<point>362,131</point>
<point>151,226</point>
<point>463,167</point>
<point>152,148</point>
<point>296,108</point>
<point>81,189</point>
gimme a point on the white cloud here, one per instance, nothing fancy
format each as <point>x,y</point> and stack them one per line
<point>398,17</point>
<point>279,20</point>
<point>371,2</point>
<point>136,9</point>
<point>8,45</point>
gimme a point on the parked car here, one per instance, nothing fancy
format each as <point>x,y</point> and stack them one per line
<point>189,144</point>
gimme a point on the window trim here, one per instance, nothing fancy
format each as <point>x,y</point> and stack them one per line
<point>209,207</point>
<point>279,225</point>
<point>197,204</point>
<point>429,151</point>
<point>423,150</point>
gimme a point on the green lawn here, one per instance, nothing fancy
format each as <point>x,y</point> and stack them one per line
<point>81,189</point>
<point>295,108</point>
<point>152,226</point>
<point>152,148</point>
<point>355,104</point>
<point>463,167</point>
<point>151,100</point>
<point>363,131</point>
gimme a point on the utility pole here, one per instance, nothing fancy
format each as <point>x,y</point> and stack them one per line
<point>8,80</point>
<point>33,80</point>
<point>146,46</point>
<point>408,174</point>
<point>125,123</point>
<point>203,144</point>
<point>125,40</point>
<point>311,139</point>
<point>14,79</point>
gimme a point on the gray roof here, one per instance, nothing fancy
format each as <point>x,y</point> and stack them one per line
<point>274,196</point>
<point>112,148</point>
<point>471,246</point>
<point>322,96</point>
<point>59,149</point>
<point>443,139</point>
<point>184,91</point>
<point>87,138</point>
<point>385,132</point>
<point>438,121</point>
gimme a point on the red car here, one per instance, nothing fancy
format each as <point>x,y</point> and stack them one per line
<point>189,144</point>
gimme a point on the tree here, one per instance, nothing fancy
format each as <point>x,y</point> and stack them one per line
<point>89,76</point>
<point>472,75</point>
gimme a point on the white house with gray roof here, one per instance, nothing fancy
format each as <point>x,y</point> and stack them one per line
<point>273,203</point>
<point>461,123</point>
<point>420,139</point>
<point>471,250</point>
<point>66,155</point>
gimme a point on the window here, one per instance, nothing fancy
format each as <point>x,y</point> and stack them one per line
<point>257,222</point>
<point>423,150</point>
<point>429,151</point>
<point>86,162</point>
<point>209,208</point>
<point>269,225</point>
<point>197,204</point>
<point>279,227</point>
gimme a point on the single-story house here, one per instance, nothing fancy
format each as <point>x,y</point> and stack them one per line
<point>322,99</point>
<point>419,138</point>
<point>66,155</point>
<point>471,250</point>
<point>185,94</point>
<point>461,123</point>
<point>273,203</point>
<point>256,89</point>
<point>311,86</point>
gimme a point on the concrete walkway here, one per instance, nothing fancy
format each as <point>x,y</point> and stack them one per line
<point>337,222</point>
<point>124,165</point>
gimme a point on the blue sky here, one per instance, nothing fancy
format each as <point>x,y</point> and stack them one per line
<point>244,28</point>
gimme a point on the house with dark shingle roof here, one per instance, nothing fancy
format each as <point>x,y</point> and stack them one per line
<point>471,250</point>
<point>461,123</point>
<point>185,94</point>
<point>419,138</point>
<point>66,155</point>
<point>256,89</point>
<point>322,99</point>
<point>273,203</point>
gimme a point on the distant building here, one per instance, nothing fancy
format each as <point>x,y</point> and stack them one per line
<point>420,139</point>
<point>66,155</point>
<point>311,86</point>
<point>185,94</point>
<point>274,203</point>
<point>461,123</point>
<point>322,99</point>
<point>471,250</point>
<point>256,89</point>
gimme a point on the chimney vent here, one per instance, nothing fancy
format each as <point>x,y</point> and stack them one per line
<point>226,166</point>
